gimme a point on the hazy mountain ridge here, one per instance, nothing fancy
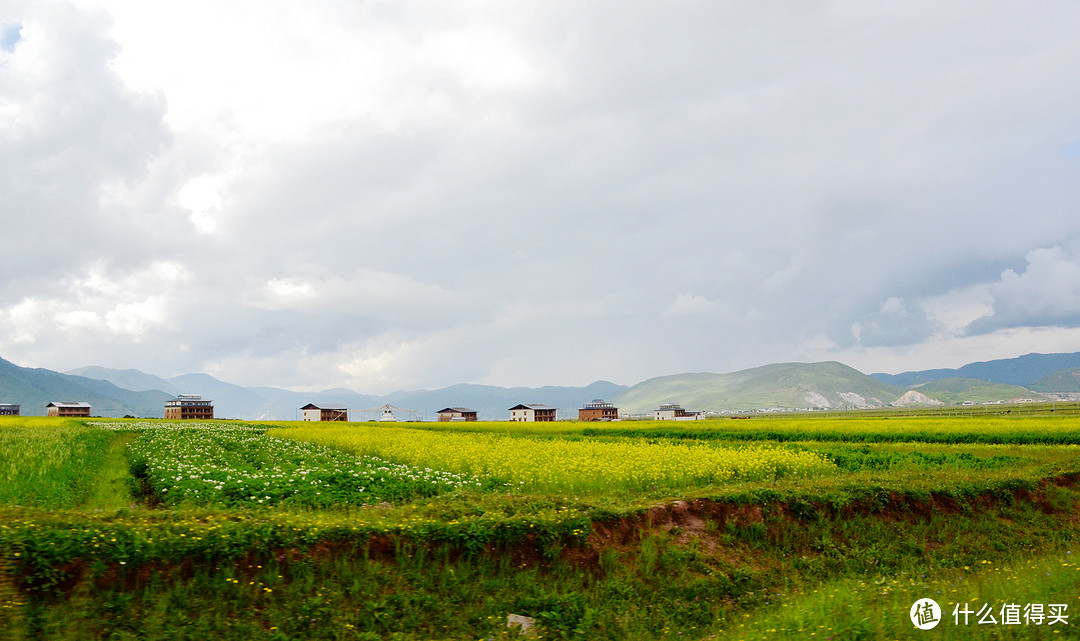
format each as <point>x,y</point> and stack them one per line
<point>1022,371</point>
<point>783,385</point>
<point>1064,381</point>
<point>271,403</point>
<point>953,391</point>
<point>828,385</point>
<point>33,388</point>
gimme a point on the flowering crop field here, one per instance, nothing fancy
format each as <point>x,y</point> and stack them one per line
<point>212,463</point>
<point>637,530</point>
<point>554,463</point>
<point>995,429</point>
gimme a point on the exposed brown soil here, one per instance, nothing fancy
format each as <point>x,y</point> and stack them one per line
<point>700,522</point>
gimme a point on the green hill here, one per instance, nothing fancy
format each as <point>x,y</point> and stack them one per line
<point>787,385</point>
<point>954,391</point>
<point>1062,381</point>
<point>34,388</point>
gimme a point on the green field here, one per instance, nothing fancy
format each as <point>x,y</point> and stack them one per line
<point>795,527</point>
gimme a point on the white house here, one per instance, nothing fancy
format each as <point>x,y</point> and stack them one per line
<point>312,412</point>
<point>532,412</point>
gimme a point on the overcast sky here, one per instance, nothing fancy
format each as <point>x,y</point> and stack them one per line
<point>399,195</point>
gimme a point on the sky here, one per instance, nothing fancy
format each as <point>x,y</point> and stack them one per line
<point>402,195</point>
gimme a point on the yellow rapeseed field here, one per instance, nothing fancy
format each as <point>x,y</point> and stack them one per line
<point>555,463</point>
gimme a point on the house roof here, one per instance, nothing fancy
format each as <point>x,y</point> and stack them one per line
<point>463,410</point>
<point>68,404</point>
<point>532,406</point>
<point>598,404</point>
<point>336,408</point>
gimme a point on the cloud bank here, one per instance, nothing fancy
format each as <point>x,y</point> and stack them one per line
<point>386,196</point>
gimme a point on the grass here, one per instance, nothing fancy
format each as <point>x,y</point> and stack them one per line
<point>234,465</point>
<point>867,607</point>
<point>841,554</point>
<point>111,488</point>
<point>49,464</point>
<point>1017,425</point>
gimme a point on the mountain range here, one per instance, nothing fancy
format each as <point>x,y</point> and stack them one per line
<point>114,392</point>
<point>1031,371</point>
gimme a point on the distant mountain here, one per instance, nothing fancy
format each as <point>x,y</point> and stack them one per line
<point>493,403</point>
<point>33,388</point>
<point>1024,371</point>
<point>787,385</point>
<point>270,403</point>
<point>782,385</point>
<point>288,402</point>
<point>230,401</point>
<point>953,391</point>
<point>131,379</point>
<point>1061,381</point>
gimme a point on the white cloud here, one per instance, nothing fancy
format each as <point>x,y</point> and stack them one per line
<point>1045,294</point>
<point>290,290</point>
<point>955,311</point>
<point>687,304</point>
<point>98,307</point>
<point>422,191</point>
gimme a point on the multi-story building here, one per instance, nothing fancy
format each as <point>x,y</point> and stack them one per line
<point>189,407</point>
<point>67,409</point>
<point>598,410</point>
<point>532,412</point>
<point>457,414</point>
<point>312,412</point>
<point>9,409</point>
<point>673,412</point>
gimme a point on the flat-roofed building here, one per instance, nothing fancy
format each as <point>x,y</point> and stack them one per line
<point>313,412</point>
<point>9,409</point>
<point>457,414</point>
<point>532,412</point>
<point>598,410</point>
<point>67,408</point>
<point>673,412</point>
<point>189,407</point>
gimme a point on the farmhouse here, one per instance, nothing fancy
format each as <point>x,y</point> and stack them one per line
<point>672,412</point>
<point>532,412</point>
<point>314,412</point>
<point>598,410</point>
<point>9,409</point>
<point>457,414</point>
<point>189,407</point>
<point>67,409</point>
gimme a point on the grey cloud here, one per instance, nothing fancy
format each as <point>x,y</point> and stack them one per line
<point>779,172</point>
<point>1045,294</point>
<point>73,132</point>
<point>895,323</point>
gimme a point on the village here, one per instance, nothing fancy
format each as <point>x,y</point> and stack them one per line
<point>195,407</point>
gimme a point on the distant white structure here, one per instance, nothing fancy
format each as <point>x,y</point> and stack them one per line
<point>673,412</point>
<point>389,413</point>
